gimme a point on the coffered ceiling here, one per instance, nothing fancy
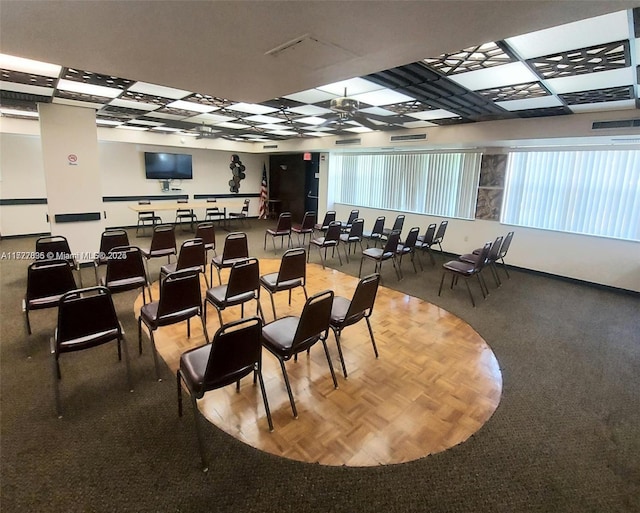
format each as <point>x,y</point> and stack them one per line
<point>555,70</point>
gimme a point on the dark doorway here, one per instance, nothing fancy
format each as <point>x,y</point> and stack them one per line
<point>293,183</point>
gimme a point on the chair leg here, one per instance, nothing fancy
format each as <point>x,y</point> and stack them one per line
<point>264,398</point>
<point>204,329</point>
<point>178,380</point>
<point>196,419</point>
<point>326,352</point>
<point>56,378</point>
<point>219,316</point>
<point>336,332</point>
<point>373,340</point>
<point>441,282</point>
<point>155,355</point>
<point>273,306</point>
<point>125,349</point>
<point>360,270</point>
<point>288,385</point>
<point>466,282</point>
<point>26,314</point>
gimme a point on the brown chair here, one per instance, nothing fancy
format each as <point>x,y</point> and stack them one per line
<point>282,230</point>
<point>408,247</point>
<point>353,236</point>
<point>146,218</point>
<point>292,274</point>
<point>243,286</point>
<point>345,312</point>
<point>425,241</point>
<point>192,256</point>
<point>86,319</point>
<point>331,240</point>
<point>397,226</point>
<point>109,239</point>
<point>163,243</point>
<point>126,271</point>
<point>472,258</point>
<point>180,300</point>
<point>465,270</point>
<point>183,214</point>
<point>213,212</point>
<point>329,217</point>
<point>376,232</point>
<point>305,228</point>
<point>288,336</point>
<point>47,282</point>
<point>234,352</point>
<point>379,255</point>
<point>56,247</point>
<point>235,248</point>
<point>243,214</point>
<point>207,232</point>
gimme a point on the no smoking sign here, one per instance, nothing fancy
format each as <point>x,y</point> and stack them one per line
<point>72,158</point>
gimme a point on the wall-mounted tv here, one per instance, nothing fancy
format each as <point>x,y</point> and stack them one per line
<point>167,166</point>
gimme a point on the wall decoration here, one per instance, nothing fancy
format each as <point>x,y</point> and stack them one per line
<point>489,204</point>
<point>238,171</point>
<point>493,169</point>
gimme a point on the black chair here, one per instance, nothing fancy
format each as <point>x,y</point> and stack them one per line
<point>213,212</point>
<point>440,234</point>
<point>192,256</point>
<point>109,240</point>
<point>379,255</point>
<point>345,312</point>
<point>56,247</point>
<point>376,232</point>
<point>183,214</point>
<point>305,228</point>
<point>408,247</point>
<point>47,282</point>
<point>243,286</point>
<point>243,214</point>
<point>207,232</point>
<point>288,336</point>
<point>235,352</point>
<point>146,218</point>
<point>86,319</point>
<point>126,271</point>
<point>397,226</point>
<point>472,258</point>
<point>329,218</point>
<point>180,300</point>
<point>353,236</point>
<point>163,243</point>
<point>465,270</point>
<point>292,274</point>
<point>503,252</point>
<point>353,215</point>
<point>282,230</point>
<point>235,248</point>
<point>425,241</point>
<point>331,240</point>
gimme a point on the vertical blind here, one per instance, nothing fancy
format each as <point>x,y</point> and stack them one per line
<point>587,192</point>
<point>442,184</point>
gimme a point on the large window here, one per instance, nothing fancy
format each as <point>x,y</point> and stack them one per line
<point>441,184</point>
<point>588,192</point>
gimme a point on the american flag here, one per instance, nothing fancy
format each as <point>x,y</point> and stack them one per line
<point>264,195</point>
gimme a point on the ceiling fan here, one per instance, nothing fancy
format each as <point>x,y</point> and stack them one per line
<point>348,109</point>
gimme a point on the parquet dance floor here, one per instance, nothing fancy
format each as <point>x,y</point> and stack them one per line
<point>435,383</point>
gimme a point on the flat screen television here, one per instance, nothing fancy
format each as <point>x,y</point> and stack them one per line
<point>167,166</point>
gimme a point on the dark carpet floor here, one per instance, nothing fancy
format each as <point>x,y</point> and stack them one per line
<point>565,437</point>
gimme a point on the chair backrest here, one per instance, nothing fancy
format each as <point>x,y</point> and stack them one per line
<point>182,200</point>
<point>53,247</point>
<point>235,351</point>
<point>495,249</point>
<point>398,223</point>
<point>284,222</point>
<point>333,232</point>
<point>482,257</point>
<point>164,237</point>
<point>428,236</point>
<point>85,312</point>
<point>329,218</point>
<point>48,278</point>
<point>293,266</point>
<point>357,229</point>
<point>145,213</point>
<point>378,226</point>
<point>124,262</point>
<point>308,221</point>
<point>206,232</point>
<point>192,254</point>
<point>441,230</point>
<point>144,202</point>
<point>244,277</point>
<point>179,292</point>
<point>392,243</point>
<point>314,321</point>
<point>412,237</point>
<point>111,239</point>
<point>505,245</point>
<point>245,206</point>
<point>353,215</point>
<point>235,246</point>
<point>363,297</point>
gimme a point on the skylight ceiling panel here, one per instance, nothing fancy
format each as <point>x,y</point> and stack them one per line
<point>158,90</point>
<point>353,87</point>
<point>602,80</point>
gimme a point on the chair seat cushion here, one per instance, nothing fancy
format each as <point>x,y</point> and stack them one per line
<point>470,258</point>
<point>95,339</point>
<point>44,302</point>
<point>277,336</point>
<point>126,284</point>
<point>193,365</point>
<point>168,268</point>
<point>460,267</point>
<point>217,297</point>
<point>339,309</point>
<point>276,233</point>
<point>218,262</point>
<point>377,253</point>
<point>149,314</point>
<point>270,282</point>
<point>300,229</point>
<point>158,252</point>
